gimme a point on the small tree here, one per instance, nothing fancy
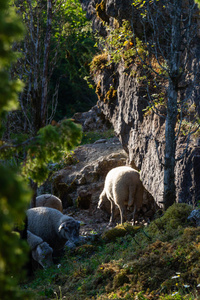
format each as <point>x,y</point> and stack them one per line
<point>168,34</point>
<point>35,146</point>
<point>198,2</point>
<point>14,194</point>
<point>48,145</point>
<point>56,50</point>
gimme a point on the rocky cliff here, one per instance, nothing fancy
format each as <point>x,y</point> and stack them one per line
<point>142,135</point>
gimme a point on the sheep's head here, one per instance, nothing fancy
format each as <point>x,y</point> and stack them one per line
<point>69,230</point>
<point>43,255</point>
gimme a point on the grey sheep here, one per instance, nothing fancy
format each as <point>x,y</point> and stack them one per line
<point>49,200</point>
<point>40,250</point>
<point>123,188</point>
<point>194,217</point>
<point>52,226</point>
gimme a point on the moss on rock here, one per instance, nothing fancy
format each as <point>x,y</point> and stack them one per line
<point>99,62</point>
<point>119,231</point>
<point>101,11</point>
<point>120,278</point>
<point>172,223</point>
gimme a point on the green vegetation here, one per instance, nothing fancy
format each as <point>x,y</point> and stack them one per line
<point>92,136</point>
<point>98,63</point>
<point>68,54</point>
<point>23,157</point>
<point>77,50</point>
<point>120,47</point>
<point>14,194</point>
<point>153,262</point>
<point>198,2</point>
<point>49,146</point>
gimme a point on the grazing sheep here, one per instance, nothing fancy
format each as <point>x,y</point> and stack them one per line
<point>49,200</point>
<point>40,250</point>
<point>122,187</point>
<point>52,226</point>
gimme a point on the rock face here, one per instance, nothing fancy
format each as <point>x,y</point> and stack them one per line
<point>142,136</point>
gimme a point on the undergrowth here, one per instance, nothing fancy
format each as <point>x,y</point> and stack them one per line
<point>92,136</point>
<point>161,261</point>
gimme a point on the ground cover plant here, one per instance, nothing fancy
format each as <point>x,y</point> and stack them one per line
<point>161,261</point>
<point>92,136</point>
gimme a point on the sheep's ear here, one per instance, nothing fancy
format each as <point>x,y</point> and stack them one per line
<point>63,225</point>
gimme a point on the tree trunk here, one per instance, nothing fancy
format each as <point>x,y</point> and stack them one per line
<point>45,64</point>
<point>170,148</point>
<point>171,118</point>
<point>34,195</point>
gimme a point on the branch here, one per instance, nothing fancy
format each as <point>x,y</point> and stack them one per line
<point>18,145</point>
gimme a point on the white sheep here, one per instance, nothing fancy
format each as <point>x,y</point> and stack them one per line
<point>49,200</point>
<point>40,250</point>
<point>52,226</point>
<point>123,188</point>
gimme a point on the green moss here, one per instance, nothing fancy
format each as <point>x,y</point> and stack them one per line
<point>70,159</point>
<point>99,62</point>
<point>120,278</point>
<point>120,231</point>
<point>92,136</point>
<point>172,223</point>
<point>98,91</point>
<point>101,11</point>
<point>111,95</point>
<point>85,250</point>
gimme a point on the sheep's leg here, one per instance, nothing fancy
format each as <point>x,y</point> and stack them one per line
<point>123,213</point>
<point>132,190</point>
<point>134,210</point>
<point>112,213</point>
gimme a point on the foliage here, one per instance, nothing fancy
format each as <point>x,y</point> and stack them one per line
<point>92,136</point>
<point>132,266</point>
<point>70,51</point>
<point>171,223</point>
<point>34,151</point>
<point>77,45</point>
<point>14,198</point>
<point>198,2</point>
<point>11,29</point>
<point>49,146</point>
<point>14,194</point>
<point>119,46</point>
